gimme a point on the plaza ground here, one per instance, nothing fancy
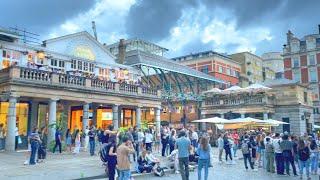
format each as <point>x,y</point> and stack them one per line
<point>82,166</point>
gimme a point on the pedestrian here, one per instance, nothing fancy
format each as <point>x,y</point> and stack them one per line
<point>227,148</point>
<point>112,157</point>
<point>269,153</point>
<point>34,141</point>
<point>184,145</point>
<point>246,152</point>
<point>42,145</point>
<point>68,140</point>
<point>220,147</point>
<point>262,149</point>
<point>77,142</point>
<point>164,140</point>
<point>148,140</point>
<point>314,150</point>
<point>135,142</point>
<point>203,151</point>
<point>235,137</point>
<point>92,140</point>
<point>288,158</point>
<point>141,139</point>
<point>194,138</point>
<point>123,152</point>
<point>253,149</point>
<point>17,137</point>
<point>2,133</point>
<point>172,140</point>
<point>304,158</point>
<point>294,140</point>
<point>278,154</point>
<point>57,140</point>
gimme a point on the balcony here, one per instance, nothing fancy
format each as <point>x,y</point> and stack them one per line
<point>242,101</point>
<point>35,77</point>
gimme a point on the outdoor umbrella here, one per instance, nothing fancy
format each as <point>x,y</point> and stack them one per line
<point>214,120</point>
<point>274,122</point>
<point>247,120</point>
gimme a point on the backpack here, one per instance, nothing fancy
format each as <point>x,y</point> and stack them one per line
<point>226,144</point>
<point>245,148</point>
<point>104,152</point>
<point>159,171</point>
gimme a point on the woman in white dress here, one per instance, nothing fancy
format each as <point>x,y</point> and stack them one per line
<point>86,139</point>
<point>77,143</point>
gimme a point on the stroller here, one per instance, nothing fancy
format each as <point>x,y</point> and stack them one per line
<point>104,157</point>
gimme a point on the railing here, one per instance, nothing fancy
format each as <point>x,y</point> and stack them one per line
<point>97,83</point>
<point>71,80</point>
<point>59,79</point>
<point>232,101</point>
<point>146,90</point>
<point>34,74</point>
<point>128,88</point>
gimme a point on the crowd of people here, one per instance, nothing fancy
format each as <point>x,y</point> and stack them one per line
<point>184,149</point>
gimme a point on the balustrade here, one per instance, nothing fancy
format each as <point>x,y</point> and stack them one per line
<point>128,88</point>
<point>146,90</point>
<point>96,83</point>
<point>34,74</point>
<point>71,80</point>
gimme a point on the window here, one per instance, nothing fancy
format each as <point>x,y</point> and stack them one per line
<point>313,74</point>
<point>296,62</point>
<point>73,64</point>
<point>91,67</point>
<point>85,66</point>
<point>80,65</point>
<point>205,69</point>
<point>220,69</point>
<point>286,127</point>
<point>228,71</point>
<point>311,59</point>
<point>296,75</point>
<point>61,64</point>
<point>53,62</point>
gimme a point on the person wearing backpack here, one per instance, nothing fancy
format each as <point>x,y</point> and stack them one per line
<point>227,148</point>
<point>269,153</point>
<point>304,158</point>
<point>245,148</point>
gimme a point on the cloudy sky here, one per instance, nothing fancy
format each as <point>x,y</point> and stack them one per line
<point>182,26</point>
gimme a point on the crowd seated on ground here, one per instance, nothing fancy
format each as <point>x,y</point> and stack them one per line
<point>143,163</point>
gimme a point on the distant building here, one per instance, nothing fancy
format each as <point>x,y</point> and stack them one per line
<point>301,60</point>
<point>215,64</point>
<point>274,61</point>
<point>287,101</point>
<point>251,68</point>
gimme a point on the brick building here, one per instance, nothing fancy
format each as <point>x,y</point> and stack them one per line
<point>218,65</point>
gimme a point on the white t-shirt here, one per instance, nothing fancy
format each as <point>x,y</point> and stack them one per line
<point>149,138</point>
<point>220,143</point>
<point>195,136</point>
<point>140,136</point>
<point>16,131</point>
<point>276,145</point>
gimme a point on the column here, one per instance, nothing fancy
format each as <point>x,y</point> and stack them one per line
<point>115,116</point>
<point>52,119</point>
<point>158,121</point>
<point>265,116</point>
<point>222,115</point>
<point>85,117</point>
<point>94,114</point>
<point>243,115</point>
<point>138,117</point>
<point>11,125</point>
<point>203,125</point>
<point>34,115</point>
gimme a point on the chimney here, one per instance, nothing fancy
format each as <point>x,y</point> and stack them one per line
<point>319,28</point>
<point>289,37</point>
<point>122,51</point>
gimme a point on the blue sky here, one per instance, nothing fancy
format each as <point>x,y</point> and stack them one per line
<point>182,26</point>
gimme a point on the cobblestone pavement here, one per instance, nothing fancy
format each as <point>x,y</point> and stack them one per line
<point>67,166</point>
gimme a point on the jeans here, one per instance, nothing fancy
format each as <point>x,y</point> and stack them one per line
<point>34,149</point>
<point>124,174</point>
<point>288,159</point>
<point>184,168</point>
<point>246,158</point>
<point>203,163</point>
<point>269,161</point>
<point>137,148</point>
<point>279,163</point>
<point>228,152</point>
<point>235,148</point>
<point>164,147</point>
<point>304,164</point>
<point>1,143</point>
<point>263,158</point>
<point>58,143</point>
<point>92,147</point>
<point>220,154</point>
<point>112,168</point>
<point>314,161</point>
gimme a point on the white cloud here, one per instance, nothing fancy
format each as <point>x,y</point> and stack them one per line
<point>109,16</point>
<point>219,33</point>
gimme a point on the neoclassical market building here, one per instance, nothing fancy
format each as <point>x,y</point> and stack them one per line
<point>77,80</point>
